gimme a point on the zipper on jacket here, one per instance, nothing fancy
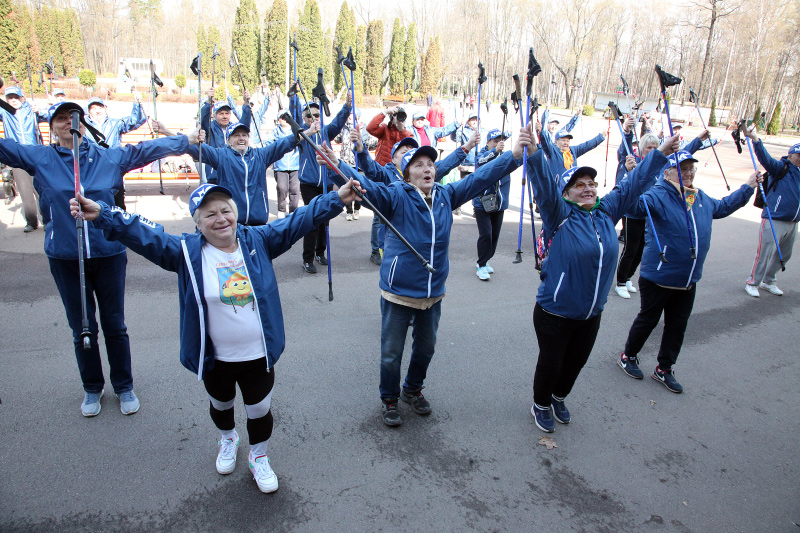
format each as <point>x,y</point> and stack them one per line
<point>694,263</point>
<point>200,312</point>
<point>599,267</point>
<point>246,194</point>
<point>433,236</point>
<point>266,207</point>
<point>777,203</point>
<point>558,287</point>
<point>391,271</point>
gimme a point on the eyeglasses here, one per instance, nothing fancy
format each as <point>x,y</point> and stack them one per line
<point>581,185</point>
<point>315,115</point>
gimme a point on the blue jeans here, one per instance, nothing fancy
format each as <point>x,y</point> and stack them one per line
<point>105,284</point>
<point>395,320</point>
<point>376,234</point>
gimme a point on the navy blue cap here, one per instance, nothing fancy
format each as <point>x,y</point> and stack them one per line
<point>563,133</point>
<point>681,156</point>
<point>233,127</point>
<point>219,106</point>
<point>197,196</point>
<point>570,176</point>
<point>795,149</point>
<point>406,141</point>
<point>414,153</point>
<point>64,106</point>
<point>95,101</point>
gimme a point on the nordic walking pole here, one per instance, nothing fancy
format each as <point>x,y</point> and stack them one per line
<point>155,80</point>
<point>661,251</point>
<point>51,69</point>
<point>616,114</point>
<point>693,98</point>
<point>626,91</point>
<point>766,205</point>
<point>319,93</point>
<point>241,79</point>
<point>197,69</point>
<point>214,56</point>
<point>608,143</point>
<point>481,79</point>
<point>86,335</point>
<point>668,80</point>
<point>533,70</point>
<point>302,135</point>
<point>516,97</point>
<point>350,63</point>
<point>504,109</point>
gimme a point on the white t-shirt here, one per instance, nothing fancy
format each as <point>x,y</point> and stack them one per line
<point>233,322</point>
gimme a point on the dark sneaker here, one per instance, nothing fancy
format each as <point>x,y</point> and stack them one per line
<point>391,416</point>
<point>418,402</point>
<point>321,259</point>
<point>630,365</point>
<point>375,257</point>
<point>309,268</point>
<point>560,411</point>
<point>543,419</point>
<point>667,378</point>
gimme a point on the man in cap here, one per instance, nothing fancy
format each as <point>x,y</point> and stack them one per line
<point>113,128</point>
<point>222,117</point>
<point>553,124</point>
<point>783,199</point>
<point>426,135</point>
<point>59,95</point>
<point>561,156</point>
<point>21,126</point>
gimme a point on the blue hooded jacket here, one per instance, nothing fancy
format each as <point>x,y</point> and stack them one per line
<point>504,191</point>
<point>216,135</point>
<point>546,119</point>
<point>783,197</point>
<point>580,266</point>
<point>183,255</point>
<point>434,134</point>
<point>21,126</point>
<point>426,228</point>
<point>309,169</point>
<point>102,170</point>
<point>113,128</point>
<point>389,173</point>
<point>555,159</point>
<point>666,208</point>
<point>245,175</point>
<point>290,162</point>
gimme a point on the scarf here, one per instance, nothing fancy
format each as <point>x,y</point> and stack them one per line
<point>568,160</point>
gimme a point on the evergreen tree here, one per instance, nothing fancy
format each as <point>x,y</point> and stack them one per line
<point>28,42</point>
<point>310,41</point>
<point>47,29</point>
<point>774,125</point>
<point>757,118</point>
<point>9,38</point>
<point>410,56</point>
<point>70,41</point>
<point>213,38</point>
<point>360,55</point>
<point>373,62</point>
<point>345,38</point>
<point>328,58</point>
<point>274,48</point>
<point>712,118</point>
<point>397,58</point>
<point>431,67</point>
<point>245,40</point>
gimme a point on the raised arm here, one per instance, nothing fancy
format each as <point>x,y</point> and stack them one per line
<point>276,150</point>
<point>138,155</point>
<point>211,155</point>
<point>338,122</point>
<point>590,144</point>
<point>134,120</point>
<point>376,127</point>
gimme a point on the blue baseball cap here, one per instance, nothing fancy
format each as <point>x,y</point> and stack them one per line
<point>58,91</point>
<point>563,133</point>
<point>94,101</point>
<point>414,153</point>
<point>312,104</point>
<point>571,176</point>
<point>233,127</point>
<point>14,91</point>
<point>197,196</point>
<point>554,120</point>
<point>472,115</point>
<point>416,116</point>
<point>64,106</point>
<point>407,141</point>
<point>220,105</point>
<point>495,133</point>
<point>681,156</point>
<point>795,149</point>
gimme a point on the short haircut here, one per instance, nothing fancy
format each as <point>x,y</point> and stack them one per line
<point>215,196</point>
<point>648,138</point>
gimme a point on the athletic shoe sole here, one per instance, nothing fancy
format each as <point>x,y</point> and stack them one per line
<point>622,366</point>
<point>665,384</point>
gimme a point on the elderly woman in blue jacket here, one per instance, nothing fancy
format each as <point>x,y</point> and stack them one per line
<point>421,210</point>
<point>242,169</point>
<point>226,282</point>
<point>101,177</point>
<point>669,288</point>
<point>578,270</point>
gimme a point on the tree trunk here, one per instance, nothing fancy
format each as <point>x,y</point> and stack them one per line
<point>707,58</point>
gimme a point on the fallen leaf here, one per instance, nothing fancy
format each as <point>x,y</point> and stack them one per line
<point>547,441</point>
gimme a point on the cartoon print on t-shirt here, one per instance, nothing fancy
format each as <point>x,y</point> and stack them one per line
<point>235,288</point>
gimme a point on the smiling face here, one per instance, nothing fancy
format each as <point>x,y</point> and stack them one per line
<point>61,123</point>
<point>97,112</point>
<point>311,114</point>
<point>563,143</point>
<point>688,171</point>
<point>216,220</point>
<point>552,127</point>
<point>583,191</point>
<point>223,117</point>
<point>15,101</point>
<point>421,172</point>
<point>239,140</point>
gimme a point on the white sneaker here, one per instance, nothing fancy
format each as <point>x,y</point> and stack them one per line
<point>355,215</point>
<point>226,458</point>
<point>281,214</point>
<point>349,216</point>
<point>265,478</point>
<point>483,274</point>
<point>630,287</point>
<point>622,292</point>
<point>489,269</point>
<point>771,288</point>
<point>752,290</point>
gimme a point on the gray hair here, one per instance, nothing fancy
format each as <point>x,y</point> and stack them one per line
<point>646,139</point>
<point>216,196</point>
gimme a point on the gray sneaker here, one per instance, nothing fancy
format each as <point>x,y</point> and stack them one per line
<point>91,403</point>
<point>128,402</point>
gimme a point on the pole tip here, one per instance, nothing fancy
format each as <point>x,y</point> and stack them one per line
<point>518,258</point>
<point>87,342</point>
<point>330,291</point>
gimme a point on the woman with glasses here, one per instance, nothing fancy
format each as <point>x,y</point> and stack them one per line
<point>578,270</point>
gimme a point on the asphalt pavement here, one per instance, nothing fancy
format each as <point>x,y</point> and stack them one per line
<point>722,456</point>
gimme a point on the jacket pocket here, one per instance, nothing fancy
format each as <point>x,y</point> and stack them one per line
<point>391,271</point>
<point>558,287</point>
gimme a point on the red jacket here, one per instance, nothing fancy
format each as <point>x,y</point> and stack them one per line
<point>436,116</point>
<point>387,136</point>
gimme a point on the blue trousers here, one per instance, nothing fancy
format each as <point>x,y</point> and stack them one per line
<point>395,320</point>
<point>105,288</point>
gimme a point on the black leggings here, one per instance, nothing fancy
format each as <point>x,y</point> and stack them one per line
<point>489,225</point>
<point>314,240</point>
<point>633,232</point>
<point>564,347</point>
<point>255,383</point>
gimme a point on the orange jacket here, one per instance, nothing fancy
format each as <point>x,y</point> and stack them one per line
<point>387,136</point>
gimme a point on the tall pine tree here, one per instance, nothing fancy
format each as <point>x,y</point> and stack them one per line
<point>397,58</point>
<point>345,37</point>
<point>310,40</point>
<point>214,67</point>
<point>410,56</point>
<point>373,62</point>
<point>360,55</point>
<point>431,67</point>
<point>9,38</point>
<point>328,59</point>
<point>273,57</point>
<point>47,30</point>
<point>27,43</point>
<point>774,125</point>
<point>246,40</point>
